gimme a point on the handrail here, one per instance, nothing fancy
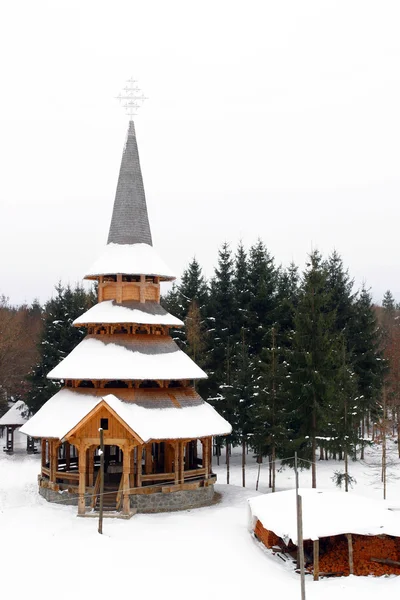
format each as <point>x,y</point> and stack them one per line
<point>96,490</point>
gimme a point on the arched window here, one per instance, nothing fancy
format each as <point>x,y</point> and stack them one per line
<point>116,383</point>
<point>149,383</point>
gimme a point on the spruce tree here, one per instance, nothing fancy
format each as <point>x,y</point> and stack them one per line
<point>366,357</point>
<point>58,339</point>
<point>263,279</point>
<point>313,359</point>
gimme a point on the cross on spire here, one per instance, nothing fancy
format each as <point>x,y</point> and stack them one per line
<point>131,98</point>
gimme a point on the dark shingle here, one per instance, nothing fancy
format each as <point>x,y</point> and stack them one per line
<point>130,222</point>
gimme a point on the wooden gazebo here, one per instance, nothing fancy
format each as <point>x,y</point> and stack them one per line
<point>10,422</point>
<point>128,377</point>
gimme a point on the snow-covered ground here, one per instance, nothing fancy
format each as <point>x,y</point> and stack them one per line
<point>208,552</point>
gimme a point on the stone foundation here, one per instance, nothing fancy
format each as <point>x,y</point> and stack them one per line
<point>180,500</point>
<point>144,503</point>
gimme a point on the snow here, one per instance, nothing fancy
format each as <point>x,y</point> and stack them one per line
<point>149,313</point>
<point>67,408</point>
<point>325,513</point>
<point>130,259</point>
<point>14,416</point>
<point>215,539</point>
<point>118,357</point>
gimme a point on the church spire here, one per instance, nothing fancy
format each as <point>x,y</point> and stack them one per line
<point>130,221</point>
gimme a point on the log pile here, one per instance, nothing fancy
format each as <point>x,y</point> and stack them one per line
<point>268,538</point>
<point>336,557</point>
<point>334,553</point>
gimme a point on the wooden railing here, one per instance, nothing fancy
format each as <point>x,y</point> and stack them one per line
<point>46,471</point>
<point>96,491</point>
<point>70,476</point>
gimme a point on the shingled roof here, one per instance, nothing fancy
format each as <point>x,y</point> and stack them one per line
<point>130,222</point>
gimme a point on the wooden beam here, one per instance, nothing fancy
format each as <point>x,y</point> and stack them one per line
<point>43,457</point>
<point>139,452</point>
<point>316,560</point>
<point>82,478</point>
<point>148,460</point>
<point>350,546</point>
<point>125,475</point>
<point>181,462</point>
<point>90,478</point>
<point>176,461</point>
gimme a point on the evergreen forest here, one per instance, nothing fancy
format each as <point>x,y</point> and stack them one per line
<point>296,361</point>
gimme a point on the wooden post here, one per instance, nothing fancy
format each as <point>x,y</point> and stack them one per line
<point>316,560</point>
<point>43,457</point>
<point>301,550</point>
<point>181,461</point>
<point>176,462</point>
<point>53,461</point>
<point>82,478</point>
<point>350,545</point>
<point>148,459</point>
<point>142,289</point>
<point>67,456</point>
<point>139,451</point>
<point>132,467</point>
<point>91,452</point>
<point>125,474</point>
<point>100,529</point>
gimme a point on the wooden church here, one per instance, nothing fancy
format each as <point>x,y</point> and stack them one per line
<point>129,378</point>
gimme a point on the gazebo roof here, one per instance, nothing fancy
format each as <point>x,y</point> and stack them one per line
<point>14,415</point>
<point>136,357</point>
<point>109,312</point>
<point>152,414</point>
<point>129,259</point>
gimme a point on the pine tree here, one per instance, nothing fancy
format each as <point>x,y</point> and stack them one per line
<point>58,339</point>
<point>312,360</point>
<point>241,292</point>
<point>193,286</point>
<point>263,280</point>
<point>270,416</point>
<point>366,356</point>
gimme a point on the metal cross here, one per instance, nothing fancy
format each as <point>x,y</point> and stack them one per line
<point>131,98</point>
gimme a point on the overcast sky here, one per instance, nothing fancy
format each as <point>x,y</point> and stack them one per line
<point>271,119</point>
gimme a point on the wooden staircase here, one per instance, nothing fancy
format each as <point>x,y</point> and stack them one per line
<point>112,498</point>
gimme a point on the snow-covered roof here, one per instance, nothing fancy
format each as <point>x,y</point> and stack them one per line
<point>325,513</point>
<point>149,313</point>
<point>130,259</point>
<point>126,357</point>
<point>152,414</point>
<point>14,416</point>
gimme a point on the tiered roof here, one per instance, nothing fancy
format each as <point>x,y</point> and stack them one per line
<point>162,413</point>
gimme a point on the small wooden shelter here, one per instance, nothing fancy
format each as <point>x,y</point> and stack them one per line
<point>129,378</point>
<point>344,534</point>
<point>12,420</point>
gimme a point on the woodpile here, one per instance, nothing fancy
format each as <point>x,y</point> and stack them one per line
<point>268,538</point>
<point>334,553</point>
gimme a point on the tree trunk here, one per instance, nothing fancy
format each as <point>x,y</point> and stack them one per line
<point>314,447</point>
<point>362,438</point>
<point>227,462</point>
<point>273,468</point>
<point>244,463</point>
<point>270,471</point>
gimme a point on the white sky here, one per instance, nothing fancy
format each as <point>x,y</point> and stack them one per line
<point>278,120</point>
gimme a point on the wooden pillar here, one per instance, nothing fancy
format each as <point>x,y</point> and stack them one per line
<point>132,467</point>
<point>67,449</point>
<point>53,456</point>
<point>142,289</point>
<point>350,545</point>
<point>119,288</point>
<point>43,457</point>
<point>90,479</point>
<point>206,457</point>
<point>139,452</point>
<point>316,559</point>
<point>148,460</point>
<point>82,479</point>
<point>181,461</point>
<point>125,474</point>
<point>176,461</point>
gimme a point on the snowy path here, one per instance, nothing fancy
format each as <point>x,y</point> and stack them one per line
<point>209,551</point>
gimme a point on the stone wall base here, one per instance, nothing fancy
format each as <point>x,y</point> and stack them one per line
<point>144,503</point>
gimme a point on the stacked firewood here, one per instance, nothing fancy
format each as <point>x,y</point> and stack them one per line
<point>336,558</point>
<point>268,538</point>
